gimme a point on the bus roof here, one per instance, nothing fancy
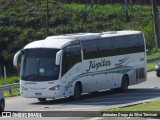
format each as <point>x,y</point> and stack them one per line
<point>58,42</point>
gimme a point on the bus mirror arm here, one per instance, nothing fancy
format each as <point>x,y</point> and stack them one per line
<point>15,59</point>
<point>58,57</point>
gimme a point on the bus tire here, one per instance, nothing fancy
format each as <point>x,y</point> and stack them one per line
<point>42,99</point>
<point>77,92</point>
<point>124,84</point>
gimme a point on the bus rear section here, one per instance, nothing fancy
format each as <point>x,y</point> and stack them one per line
<point>112,62</point>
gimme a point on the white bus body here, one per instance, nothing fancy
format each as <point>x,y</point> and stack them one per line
<point>69,65</point>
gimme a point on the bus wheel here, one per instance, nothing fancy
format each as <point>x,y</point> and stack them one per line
<point>42,99</point>
<point>124,84</point>
<point>77,92</point>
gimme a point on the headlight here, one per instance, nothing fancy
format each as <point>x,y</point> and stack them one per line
<point>23,88</point>
<point>157,67</point>
<point>55,87</point>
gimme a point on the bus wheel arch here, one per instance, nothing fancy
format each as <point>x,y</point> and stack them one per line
<point>124,83</point>
<point>77,91</point>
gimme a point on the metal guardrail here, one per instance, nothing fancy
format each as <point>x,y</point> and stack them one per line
<point>9,87</point>
<point>153,59</point>
<point>17,85</point>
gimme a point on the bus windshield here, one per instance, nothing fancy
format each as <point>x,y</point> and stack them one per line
<point>39,65</point>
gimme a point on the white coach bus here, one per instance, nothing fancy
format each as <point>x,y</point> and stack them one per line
<point>69,65</point>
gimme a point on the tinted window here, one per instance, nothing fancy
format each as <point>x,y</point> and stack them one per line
<point>89,49</point>
<point>39,65</point>
<point>134,44</point>
<point>117,43</point>
<point>104,47</point>
<point>140,40</point>
<point>103,44</point>
<point>113,46</point>
<point>131,41</point>
<point>71,56</point>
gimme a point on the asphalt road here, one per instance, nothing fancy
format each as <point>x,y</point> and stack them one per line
<point>140,93</point>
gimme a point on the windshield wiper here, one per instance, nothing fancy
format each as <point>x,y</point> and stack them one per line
<point>31,76</point>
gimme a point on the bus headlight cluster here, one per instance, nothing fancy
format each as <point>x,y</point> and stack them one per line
<point>55,87</point>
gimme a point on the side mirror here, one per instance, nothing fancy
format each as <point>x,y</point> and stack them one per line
<point>58,57</point>
<point>15,59</point>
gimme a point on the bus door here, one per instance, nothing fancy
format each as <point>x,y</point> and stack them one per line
<point>71,62</point>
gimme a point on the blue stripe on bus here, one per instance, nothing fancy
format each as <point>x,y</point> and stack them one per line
<point>125,70</point>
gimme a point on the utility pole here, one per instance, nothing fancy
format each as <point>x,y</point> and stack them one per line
<point>156,25</point>
<point>5,75</point>
<point>85,11</point>
<point>47,13</point>
<point>126,9</point>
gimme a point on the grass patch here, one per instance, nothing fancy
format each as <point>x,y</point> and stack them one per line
<point>153,53</point>
<point>15,92</point>
<point>151,66</point>
<point>9,80</point>
<point>150,106</point>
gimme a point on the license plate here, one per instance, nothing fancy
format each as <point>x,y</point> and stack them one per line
<point>38,94</point>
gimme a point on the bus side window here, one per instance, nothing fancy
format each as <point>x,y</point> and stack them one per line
<point>74,55</point>
<point>90,49</point>
<point>71,56</point>
<point>117,44</point>
<point>131,44</point>
<point>104,47</point>
<point>64,61</point>
<point>131,41</point>
<point>140,40</point>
